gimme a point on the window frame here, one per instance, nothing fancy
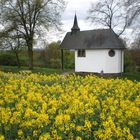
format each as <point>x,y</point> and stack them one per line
<point>81,53</point>
<point>111,53</point>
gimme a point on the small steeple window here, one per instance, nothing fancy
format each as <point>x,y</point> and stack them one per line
<point>81,53</point>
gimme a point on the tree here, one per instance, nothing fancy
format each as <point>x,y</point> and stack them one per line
<point>110,13</point>
<point>30,17</point>
<point>53,55</point>
<point>133,7</point>
<point>10,39</point>
<point>136,44</point>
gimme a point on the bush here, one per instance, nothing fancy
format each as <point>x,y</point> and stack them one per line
<point>8,59</point>
<point>52,55</point>
<point>129,63</point>
<point>55,63</point>
<point>69,59</point>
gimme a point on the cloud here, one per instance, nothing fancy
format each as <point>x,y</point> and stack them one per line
<point>80,7</point>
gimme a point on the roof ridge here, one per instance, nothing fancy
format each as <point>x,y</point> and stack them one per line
<point>92,30</point>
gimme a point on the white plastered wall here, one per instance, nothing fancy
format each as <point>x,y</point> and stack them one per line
<point>99,60</point>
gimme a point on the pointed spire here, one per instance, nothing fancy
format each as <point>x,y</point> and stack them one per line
<point>75,27</point>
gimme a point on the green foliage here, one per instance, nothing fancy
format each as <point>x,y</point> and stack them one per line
<point>15,69</point>
<point>26,17</point>
<point>49,57</point>
<point>69,59</point>
<point>129,63</point>
<point>136,58</point>
<point>8,59</point>
<point>132,76</point>
<point>39,58</point>
<point>55,63</point>
<point>52,56</point>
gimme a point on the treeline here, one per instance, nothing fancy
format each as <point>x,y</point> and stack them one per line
<point>49,57</point>
<point>132,60</point>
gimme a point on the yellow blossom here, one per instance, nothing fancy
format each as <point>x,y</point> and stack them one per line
<point>40,106</point>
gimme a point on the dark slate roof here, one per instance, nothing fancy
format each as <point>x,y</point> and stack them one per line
<point>92,39</point>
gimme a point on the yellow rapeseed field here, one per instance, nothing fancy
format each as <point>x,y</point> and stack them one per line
<point>55,107</point>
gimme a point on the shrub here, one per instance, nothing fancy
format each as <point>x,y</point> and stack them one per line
<point>8,59</point>
<point>55,63</point>
<point>129,63</point>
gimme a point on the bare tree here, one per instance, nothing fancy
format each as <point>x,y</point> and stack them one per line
<point>11,39</point>
<point>109,13</point>
<point>133,7</point>
<point>136,44</point>
<point>29,17</point>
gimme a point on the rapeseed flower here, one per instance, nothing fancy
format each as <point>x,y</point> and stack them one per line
<point>47,107</point>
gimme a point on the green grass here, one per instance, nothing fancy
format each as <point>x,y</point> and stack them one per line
<point>129,75</point>
<point>132,76</point>
<point>15,69</point>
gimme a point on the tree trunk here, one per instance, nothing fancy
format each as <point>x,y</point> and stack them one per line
<point>62,60</point>
<point>16,54</point>
<point>30,56</point>
<point>29,42</point>
<point>17,57</point>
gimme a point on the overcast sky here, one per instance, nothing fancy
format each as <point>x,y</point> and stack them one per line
<point>80,7</point>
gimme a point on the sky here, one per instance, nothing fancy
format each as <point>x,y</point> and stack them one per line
<point>80,7</point>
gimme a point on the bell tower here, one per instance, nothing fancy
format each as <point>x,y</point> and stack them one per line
<point>75,27</point>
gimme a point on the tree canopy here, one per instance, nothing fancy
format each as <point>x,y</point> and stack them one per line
<point>30,17</point>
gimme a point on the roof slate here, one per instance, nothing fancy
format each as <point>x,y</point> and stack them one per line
<point>92,39</point>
